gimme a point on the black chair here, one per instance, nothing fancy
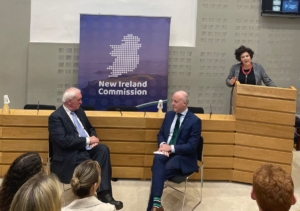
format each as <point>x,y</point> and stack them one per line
<point>184,178</point>
<point>49,159</point>
<point>88,107</point>
<point>196,110</point>
<point>122,108</point>
<point>40,107</point>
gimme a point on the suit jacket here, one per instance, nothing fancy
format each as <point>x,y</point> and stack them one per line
<point>259,73</point>
<point>187,139</point>
<point>89,204</point>
<point>66,143</point>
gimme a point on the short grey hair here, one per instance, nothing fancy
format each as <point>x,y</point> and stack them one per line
<point>70,94</point>
<point>185,96</point>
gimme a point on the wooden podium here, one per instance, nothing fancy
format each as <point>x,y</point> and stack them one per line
<point>265,118</point>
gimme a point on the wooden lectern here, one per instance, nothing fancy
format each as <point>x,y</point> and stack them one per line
<point>265,118</point>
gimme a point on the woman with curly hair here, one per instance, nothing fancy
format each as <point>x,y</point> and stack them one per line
<point>85,181</point>
<point>247,72</point>
<point>23,168</point>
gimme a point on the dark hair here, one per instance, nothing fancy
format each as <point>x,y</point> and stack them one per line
<point>85,175</point>
<point>23,168</point>
<point>242,49</point>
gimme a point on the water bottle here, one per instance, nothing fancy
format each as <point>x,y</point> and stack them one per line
<point>160,107</point>
<point>5,109</point>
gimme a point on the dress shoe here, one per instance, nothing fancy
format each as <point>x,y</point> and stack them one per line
<point>157,209</point>
<point>107,198</point>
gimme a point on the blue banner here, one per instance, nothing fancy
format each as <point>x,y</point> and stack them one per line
<point>123,61</point>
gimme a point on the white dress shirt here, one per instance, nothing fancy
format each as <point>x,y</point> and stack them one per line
<point>70,115</point>
<point>183,114</point>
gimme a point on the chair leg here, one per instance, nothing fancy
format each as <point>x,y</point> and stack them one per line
<point>201,186</point>
<point>186,179</point>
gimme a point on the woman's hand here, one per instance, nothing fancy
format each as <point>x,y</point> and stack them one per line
<point>232,81</point>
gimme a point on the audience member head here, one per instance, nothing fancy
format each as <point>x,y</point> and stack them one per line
<point>40,192</point>
<point>273,188</point>
<point>242,50</point>
<point>72,98</point>
<point>23,168</point>
<point>86,179</point>
<point>180,101</point>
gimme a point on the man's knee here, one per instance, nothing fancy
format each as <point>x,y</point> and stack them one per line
<point>102,148</point>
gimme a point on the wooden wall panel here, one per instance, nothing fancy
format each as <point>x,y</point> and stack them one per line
<point>150,148</point>
<point>210,125</point>
<point>120,134</point>
<point>265,116</point>
<point>148,160</point>
<point>22,120</point>
<point>117,122</point>
<point>266,104</point>
<point>255,128</point>
<point>218,150</point>
<point>218,137</point>
<point>252,165</point>
<point>264,142</point>
<point>0,132</point>
<point>269,92</point>
<point>125,147</point>
<point>132,139</point>
<point>151,135</point>
<point>154,123</point>
<point>1,117</point>
<point>127,160</point>
<point>25,145</point>
<point>218,162</point>
<point>263,154</point>
<point>25,133</point>
<point>128,172</point>
<point>242,176</point>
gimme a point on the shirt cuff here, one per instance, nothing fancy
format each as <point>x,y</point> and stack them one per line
<point>87,140</point>
<point>172,149</point>
<point>162,143</point>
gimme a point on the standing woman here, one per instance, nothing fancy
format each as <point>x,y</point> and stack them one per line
<point>247,72</point>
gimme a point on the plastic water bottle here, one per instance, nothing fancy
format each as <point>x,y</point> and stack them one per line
<point>160,107</point>
<point>5,109</point>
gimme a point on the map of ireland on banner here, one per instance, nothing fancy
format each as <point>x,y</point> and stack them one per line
<point>123,61</point>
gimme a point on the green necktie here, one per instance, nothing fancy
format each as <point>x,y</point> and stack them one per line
<point>176,130</point>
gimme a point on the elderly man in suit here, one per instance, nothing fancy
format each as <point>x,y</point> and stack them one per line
<point>74,140</point>
<point>178,139</point>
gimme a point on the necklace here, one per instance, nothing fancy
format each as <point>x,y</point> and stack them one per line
<point>248,72</point>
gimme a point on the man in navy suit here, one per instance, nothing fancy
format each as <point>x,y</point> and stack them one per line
<point>74,140</point>
<point>178,139</point>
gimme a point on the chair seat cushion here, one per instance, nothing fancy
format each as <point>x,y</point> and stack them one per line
<point>179,179</point>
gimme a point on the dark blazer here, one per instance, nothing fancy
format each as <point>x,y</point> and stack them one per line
<point>66,143</point>
<point>187,139</point>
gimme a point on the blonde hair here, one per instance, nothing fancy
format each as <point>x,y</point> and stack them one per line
<point>84,177</point>
<point>41,192</point>
<point>273,188</point>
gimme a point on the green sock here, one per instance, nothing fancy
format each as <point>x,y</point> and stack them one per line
<point>156,202</point>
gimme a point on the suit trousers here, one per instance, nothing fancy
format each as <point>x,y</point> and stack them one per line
<point>101,154</point>
<point>163,168</point>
